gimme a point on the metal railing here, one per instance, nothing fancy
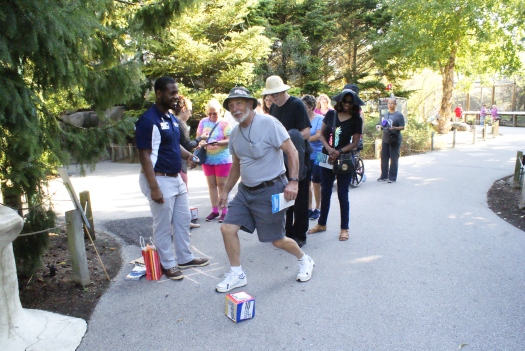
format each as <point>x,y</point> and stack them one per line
<point>514,116</point>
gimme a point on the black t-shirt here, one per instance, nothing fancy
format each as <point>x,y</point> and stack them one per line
<point>292,114</point>
<point>343,130</point>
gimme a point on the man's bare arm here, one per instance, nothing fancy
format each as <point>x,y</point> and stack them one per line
<point>233,177</point>
<point>290,191</point>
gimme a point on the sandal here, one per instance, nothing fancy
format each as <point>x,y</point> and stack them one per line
<point>343,236</point>
<point>317,229</point>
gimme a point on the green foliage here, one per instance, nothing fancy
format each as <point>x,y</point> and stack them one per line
<point>416,137</point>
<point>28,250</point>
<point>210,47</point>
<point>153,16</point>
<point>320,45</point>
<point>302,33</point>
<point>473,37</point>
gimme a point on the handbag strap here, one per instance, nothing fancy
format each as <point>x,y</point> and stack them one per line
<point>333,129</point>
<point>215,126</point>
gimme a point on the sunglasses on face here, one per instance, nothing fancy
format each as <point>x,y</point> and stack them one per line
<point>274,95</point>
<point>348,102</point>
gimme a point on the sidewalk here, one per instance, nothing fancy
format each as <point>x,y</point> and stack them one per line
<point>428,267</point>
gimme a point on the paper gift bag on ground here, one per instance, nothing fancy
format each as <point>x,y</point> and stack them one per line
<point>151,260</point>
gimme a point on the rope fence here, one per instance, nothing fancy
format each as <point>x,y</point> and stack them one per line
<point>62,226</point>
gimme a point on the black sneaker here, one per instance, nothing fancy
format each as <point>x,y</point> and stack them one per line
<point>196,262</point>
<point>173,273</point>
<point>391,181</point>
<point>382,180</point>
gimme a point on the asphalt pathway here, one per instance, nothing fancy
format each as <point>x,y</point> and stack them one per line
<point>428,267</point>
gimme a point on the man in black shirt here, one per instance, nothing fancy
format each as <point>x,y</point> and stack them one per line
<point>291,112</point>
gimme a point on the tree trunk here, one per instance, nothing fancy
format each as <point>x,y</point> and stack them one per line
<point>445,111</point>
<point>12,198</point>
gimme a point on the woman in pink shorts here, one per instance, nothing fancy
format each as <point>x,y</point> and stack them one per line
<point>218,160</point>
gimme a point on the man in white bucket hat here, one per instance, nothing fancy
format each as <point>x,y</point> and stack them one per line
<point>291,112</point>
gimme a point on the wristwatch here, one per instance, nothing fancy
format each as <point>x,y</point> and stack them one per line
<point>290,179</point>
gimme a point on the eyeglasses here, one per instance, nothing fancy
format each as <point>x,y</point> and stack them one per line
<point>273,95</point>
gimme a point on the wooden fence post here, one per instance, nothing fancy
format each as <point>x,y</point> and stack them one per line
<point>521,205</point>
<point>120,152</point>
<point>85,203</point>
<point>130,150</point>
<point>474,134</point>
<point>77,248</point>
<point>454,138</point>
<point>517,170</point>
<point>377,148</point>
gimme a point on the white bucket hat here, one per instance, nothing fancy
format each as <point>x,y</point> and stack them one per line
<point>274,84</point>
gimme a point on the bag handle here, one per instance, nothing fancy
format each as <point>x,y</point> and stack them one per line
<point>142,243</point>
<point>153,247</point>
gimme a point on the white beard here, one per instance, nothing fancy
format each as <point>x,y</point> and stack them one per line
<point>243,118</point>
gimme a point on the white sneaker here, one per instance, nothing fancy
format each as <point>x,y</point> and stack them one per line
<point>305,269</point>
<point>232,281</point>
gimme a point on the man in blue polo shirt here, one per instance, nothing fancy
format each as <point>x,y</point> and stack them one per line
<point>157,136</point>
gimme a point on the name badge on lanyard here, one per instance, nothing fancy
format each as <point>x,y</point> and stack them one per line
<point>164,125</point>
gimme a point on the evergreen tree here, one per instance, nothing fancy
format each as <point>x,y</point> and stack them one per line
<point>321,44</point>
<point>360,23</point>
<point>210,48</point>
<point>57,56</point>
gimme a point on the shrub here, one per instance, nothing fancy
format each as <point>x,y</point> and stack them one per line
<point>416,137</point>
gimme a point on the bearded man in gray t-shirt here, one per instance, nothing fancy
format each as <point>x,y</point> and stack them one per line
<point>257,144</point>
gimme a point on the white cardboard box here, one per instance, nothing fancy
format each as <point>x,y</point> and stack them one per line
<point>240,306</point>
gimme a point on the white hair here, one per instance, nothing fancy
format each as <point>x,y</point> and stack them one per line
<point>214,103</point>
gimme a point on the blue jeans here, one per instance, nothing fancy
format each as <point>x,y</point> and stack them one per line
<point>389,152</point>
<point>343,183</point>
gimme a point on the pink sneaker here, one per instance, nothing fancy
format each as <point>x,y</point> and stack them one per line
<point>212,216</point>
<point>221,218</point>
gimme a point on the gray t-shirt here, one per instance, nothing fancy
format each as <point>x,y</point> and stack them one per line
<point>258,149</point>
<point>395,119</point>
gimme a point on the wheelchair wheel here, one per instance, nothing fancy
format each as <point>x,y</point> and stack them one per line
<point>357,177</point>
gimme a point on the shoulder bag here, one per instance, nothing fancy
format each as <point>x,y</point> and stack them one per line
<point>201,152</point>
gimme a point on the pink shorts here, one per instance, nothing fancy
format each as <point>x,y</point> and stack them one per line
<point>216,170</point>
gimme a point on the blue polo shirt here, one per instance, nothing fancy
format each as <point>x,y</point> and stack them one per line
<point>159,133</point>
